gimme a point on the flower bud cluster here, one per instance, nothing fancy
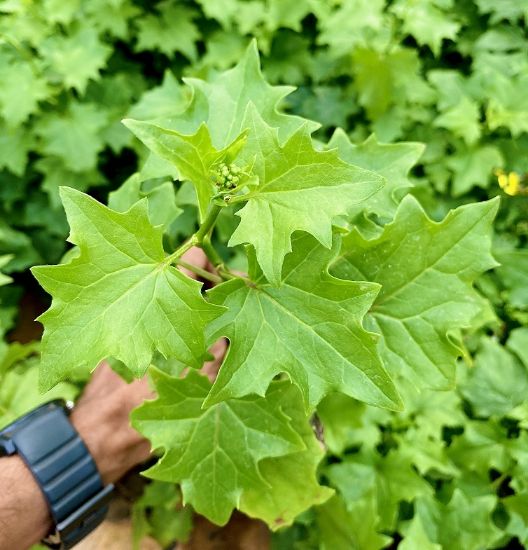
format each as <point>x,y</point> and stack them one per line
<point>226,176</point>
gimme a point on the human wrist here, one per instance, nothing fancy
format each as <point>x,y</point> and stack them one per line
<point>104,426</point>
<point>20,494</point>
<point>102,420</point>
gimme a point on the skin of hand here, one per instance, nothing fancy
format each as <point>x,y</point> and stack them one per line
<point>101,417</point>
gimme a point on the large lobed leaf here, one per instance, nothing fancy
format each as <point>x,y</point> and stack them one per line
<point>310,327</point>
<point>226,456</point>
<point>426,270</point>
<point>119,297</point>
<point>300,189</point>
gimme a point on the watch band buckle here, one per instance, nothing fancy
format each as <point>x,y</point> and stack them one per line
<point>72,529</point>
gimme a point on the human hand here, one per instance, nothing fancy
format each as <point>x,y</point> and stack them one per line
<point>102,419</point>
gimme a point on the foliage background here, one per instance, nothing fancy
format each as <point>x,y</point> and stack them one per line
<point>449,472</point>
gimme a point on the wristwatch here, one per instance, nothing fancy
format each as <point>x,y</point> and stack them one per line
<point>64,469</point>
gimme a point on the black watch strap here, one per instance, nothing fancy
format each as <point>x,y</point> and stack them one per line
<point>66,472</point>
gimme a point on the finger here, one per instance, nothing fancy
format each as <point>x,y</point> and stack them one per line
<point>194,256</point>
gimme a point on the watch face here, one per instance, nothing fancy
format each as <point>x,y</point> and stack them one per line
<point>7,446</point>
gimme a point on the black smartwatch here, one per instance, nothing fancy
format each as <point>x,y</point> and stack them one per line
<point>64,469</point>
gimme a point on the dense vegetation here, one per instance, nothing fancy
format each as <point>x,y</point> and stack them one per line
<point>415,437</point>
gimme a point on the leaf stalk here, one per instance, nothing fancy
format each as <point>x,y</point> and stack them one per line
<point>203,273</point>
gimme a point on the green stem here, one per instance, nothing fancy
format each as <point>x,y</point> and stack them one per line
<point>181,250</point>
<point>200,272</point>
<point>208,223</point>
<point>211,252</point>
<point>198,238</point>
<point>226,274</point>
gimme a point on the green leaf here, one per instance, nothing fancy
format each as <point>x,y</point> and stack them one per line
<point>21,89</point>
<point>382,78</point>
<point>111,18</point>
<point>214,453</point>
<point>518,343</point>
<point>424,20</point>
<point>168,99</point>
<point>224,49</point>
<point>416,260</point>
<point>351,25</point>
<point>158,512</point>
<point>510,10</point>
<point>221,103</point>
<point>16,352</point>
<point>392,161</point>
<point>341,529</point>
<point>61,11</point>
<point>56,175</point>
<point>74,137</point>
<point>387,480</point>
<point>128,300</point>
<point>463,523</point>
<point>222,10</point>
<point>350,423</point>
<point>329,104</point>
<point>290,58</point>
<point>76,58</point>
<point>508,104</point>
<point>430,411</point>
<point>310,328</point>
<point>15,145</point>
<point>172,31</point>
<point>452,88</point>
<point>4,279</point>
<point>416,538</point>
<point>481,447</point>
<point>300,189</point>
<point>113,95</point>
<point>462,120</point>
<point>161,199</point>
<point>517,507</point>
<point>17,244</point>
<point>428,455</point>
<point>513,272</point>
<point>497,383</point>
<point>473,167</point>
<point>287,14</point>
<point>290,483</point>
<point>19,391</point>
<point>193,155</point>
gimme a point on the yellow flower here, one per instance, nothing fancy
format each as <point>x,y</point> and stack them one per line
<point>510,183</point>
